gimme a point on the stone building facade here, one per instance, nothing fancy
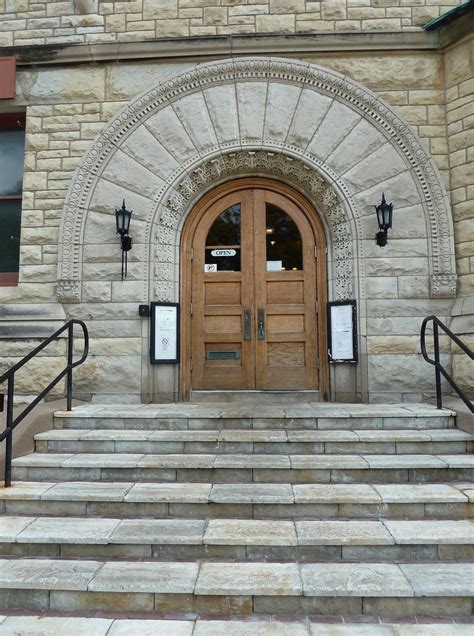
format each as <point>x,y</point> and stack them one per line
<point>161,102</point>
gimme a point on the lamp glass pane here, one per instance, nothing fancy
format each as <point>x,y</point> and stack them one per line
<point>119,220</point>
<point>126,221</point>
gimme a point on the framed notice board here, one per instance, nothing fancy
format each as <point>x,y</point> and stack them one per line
<point>164,340</point>
<point>342,331</point>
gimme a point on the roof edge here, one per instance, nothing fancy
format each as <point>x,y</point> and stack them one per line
<point>445,19</point>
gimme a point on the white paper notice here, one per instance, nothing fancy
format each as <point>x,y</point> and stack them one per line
<point>342,344</point>
<point>166,337</point>
<point>210,267</point>
<point>274,266</point>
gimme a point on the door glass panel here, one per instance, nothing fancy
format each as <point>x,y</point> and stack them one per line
<point>223,242</point>
<point>284,247</point>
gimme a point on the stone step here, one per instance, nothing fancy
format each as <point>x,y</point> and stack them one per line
<point>255,397</point>
<point>251,626</point>
<point>319,416</point>
<point>216,588</point>
<point>237,500</point>
<point>243,467</point>
<point>447,441</point>
<point>304,540</point>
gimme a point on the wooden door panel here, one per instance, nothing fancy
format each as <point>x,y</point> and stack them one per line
<point>286,357</point>
<point>285,291</point>
<point>286,337</point>
<point>286,354</point>
<point>279,281</point>
<point>221,357</point>
<point>220,310</point>
<point>284,324</point>
<point>225,324</point>
<point>284,378</point>
<point>221,373</point>
<point>219,292</point>
<point>288,309</point>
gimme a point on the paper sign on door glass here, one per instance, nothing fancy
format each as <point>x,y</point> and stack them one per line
<point>274,266</point>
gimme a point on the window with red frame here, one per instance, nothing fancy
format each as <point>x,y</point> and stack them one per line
<point>12,151</point>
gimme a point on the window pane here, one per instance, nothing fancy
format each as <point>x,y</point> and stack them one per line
<point>12,146</point>
<point>284,248</point>
<point>10,218</point>
<point>223,242</point>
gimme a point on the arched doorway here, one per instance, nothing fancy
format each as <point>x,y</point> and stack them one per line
<point>254,276</point>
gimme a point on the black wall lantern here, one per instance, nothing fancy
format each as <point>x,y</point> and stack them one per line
<point>384,218</point>
<point>122,217</point>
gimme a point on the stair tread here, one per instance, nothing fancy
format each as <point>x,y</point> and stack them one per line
<point>196,492</point>
<point>224,409</point>
<point>241,578</point>
<point>263,626</point>
<point>189,460</point>
<point>256,436</point>
<point>251,532</point>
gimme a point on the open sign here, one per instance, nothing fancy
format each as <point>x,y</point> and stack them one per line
<point>223,252</point>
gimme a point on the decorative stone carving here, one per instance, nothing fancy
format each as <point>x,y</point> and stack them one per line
<point>443,285</point>
<point>68,291</point>
<point>164,291</point>
<point>164,253</point>
<point>198,172</point>
<point>270,164</point>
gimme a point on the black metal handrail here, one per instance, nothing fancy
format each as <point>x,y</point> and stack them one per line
<point>439,369</point>
<point>9,377</point>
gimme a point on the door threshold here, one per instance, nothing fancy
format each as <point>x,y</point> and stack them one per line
<point>257,397</point>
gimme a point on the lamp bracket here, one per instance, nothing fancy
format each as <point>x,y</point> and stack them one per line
<point>381,238</point>
<point>126,243</point>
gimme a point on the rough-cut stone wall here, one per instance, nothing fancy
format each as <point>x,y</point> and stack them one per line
<point>59,130</point>
<point>460,119</point>
<point>26,22</point>
<point>459,68</point>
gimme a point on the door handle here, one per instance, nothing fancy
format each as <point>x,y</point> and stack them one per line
<point>247,324</point>
<point>261,324</point>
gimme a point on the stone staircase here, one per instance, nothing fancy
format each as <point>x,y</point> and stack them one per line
<point>300,519</point>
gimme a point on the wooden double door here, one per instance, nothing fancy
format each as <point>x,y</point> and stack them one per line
<point>256,280</point>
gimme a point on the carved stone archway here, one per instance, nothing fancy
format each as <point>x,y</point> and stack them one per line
<point>265,163</point>
<point>242,116</point>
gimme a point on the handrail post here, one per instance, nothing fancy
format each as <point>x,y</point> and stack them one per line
<point>9,437</point>
<point>70,346</point>
<point>439,398</point>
